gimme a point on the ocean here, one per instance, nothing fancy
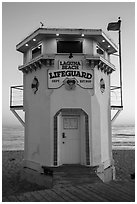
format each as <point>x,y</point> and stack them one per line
<point>123,137</point>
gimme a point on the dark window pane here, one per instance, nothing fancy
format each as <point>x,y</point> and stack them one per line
<point>100,51</point>
<point>36,52</point>
<point>69,47</point>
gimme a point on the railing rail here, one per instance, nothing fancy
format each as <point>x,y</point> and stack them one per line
<point>115,96</point>
<point>16,96</point>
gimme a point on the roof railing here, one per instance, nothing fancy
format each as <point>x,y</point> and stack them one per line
<point>16,96</point>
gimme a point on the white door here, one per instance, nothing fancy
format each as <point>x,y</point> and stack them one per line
<point>70,140</point>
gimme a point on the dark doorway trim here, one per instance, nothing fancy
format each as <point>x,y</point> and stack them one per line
<point>71,111</point>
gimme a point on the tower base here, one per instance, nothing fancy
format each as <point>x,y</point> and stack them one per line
<point>107,174</point>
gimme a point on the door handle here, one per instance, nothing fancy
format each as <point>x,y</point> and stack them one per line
<point>63,135</point>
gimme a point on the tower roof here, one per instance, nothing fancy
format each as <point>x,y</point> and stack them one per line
<point>97,34</point>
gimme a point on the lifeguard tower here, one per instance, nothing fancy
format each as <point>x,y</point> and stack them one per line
<point>67,99</point>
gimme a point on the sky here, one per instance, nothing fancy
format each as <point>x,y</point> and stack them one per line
<point>19,19</point>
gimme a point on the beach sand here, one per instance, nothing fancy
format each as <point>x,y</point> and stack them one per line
<point>12,165</point>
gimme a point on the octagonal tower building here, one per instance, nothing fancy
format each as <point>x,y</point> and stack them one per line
<point>66,98</point>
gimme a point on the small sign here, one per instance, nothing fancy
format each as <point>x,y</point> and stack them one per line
<point>64,64</point>
<point>83,78</point>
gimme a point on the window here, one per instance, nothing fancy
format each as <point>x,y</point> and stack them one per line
<point>70,123</point>
<point>36,51</point>
<point>99,50</point>
<point>69,47</point>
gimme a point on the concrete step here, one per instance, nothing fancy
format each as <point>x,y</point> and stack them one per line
<point>64,175</point>
<point>74,175</point>
<point>73,169</point>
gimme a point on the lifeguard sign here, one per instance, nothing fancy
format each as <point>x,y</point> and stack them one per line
<point>70,72</point>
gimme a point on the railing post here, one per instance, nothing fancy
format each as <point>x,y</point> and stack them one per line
<point>10,96</point>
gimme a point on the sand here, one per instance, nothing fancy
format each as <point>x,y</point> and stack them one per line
<point>12,165</point>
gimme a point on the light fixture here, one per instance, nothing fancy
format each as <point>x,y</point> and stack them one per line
<point>82,34</point>
<point>57,34</point>
<point>26,45</point>
<point>103,40</point>
<point>108,45</point>
<point>34,39</point>
<point>35,85</point>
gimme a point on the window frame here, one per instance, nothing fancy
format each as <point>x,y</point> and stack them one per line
<point>40,44</point>
<point>71,40</point>
<point>71,125</point>
<point>100,49</point>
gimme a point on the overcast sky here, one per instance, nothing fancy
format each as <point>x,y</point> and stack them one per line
<point>20,19</point>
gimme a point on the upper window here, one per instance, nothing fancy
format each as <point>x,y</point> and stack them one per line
<point>69,47</point>
<point>36,51</point>
<point>99,50</point>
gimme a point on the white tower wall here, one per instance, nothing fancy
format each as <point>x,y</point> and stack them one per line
<point>63,115</point>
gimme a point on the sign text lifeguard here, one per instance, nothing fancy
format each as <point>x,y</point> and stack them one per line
<point>83,78</point>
